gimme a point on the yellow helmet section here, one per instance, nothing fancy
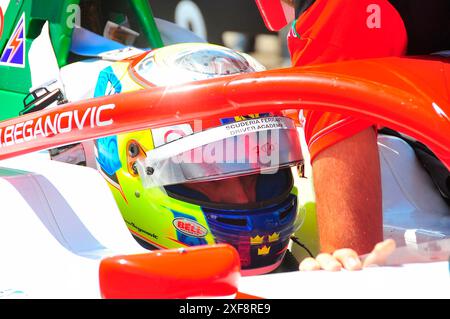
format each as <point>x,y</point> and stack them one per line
<point>136,202</point>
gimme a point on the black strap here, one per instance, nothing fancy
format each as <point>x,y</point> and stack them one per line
<point>295,240</point>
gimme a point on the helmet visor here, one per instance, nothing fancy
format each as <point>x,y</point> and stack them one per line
<point>262,145</point>
<point>276,13</point>
<point>242,192</point>
<point>181,63</point>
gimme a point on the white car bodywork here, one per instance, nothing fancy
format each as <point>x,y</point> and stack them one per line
<point>59,220</point>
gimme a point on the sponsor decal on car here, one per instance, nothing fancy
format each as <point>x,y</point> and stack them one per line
<point>14,53</point>
<point>55,124</point>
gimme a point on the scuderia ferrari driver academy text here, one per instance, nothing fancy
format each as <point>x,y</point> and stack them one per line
<point>55,124</point>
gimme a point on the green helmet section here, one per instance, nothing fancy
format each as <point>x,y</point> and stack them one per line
<point>138,204</point>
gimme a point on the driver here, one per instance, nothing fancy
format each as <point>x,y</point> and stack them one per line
<point>343,150</point>
<point>226,180</point>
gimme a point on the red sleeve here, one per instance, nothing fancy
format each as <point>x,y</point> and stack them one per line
<point>332,31</point>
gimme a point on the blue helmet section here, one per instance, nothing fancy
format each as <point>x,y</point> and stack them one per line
<point>260,235</point>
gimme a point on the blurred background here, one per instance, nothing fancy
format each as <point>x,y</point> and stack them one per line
<point>238,24</point>
<point>234,23</point>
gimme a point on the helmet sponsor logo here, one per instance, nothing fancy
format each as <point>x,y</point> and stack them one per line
<point>235,119</point>
<point>169,134</point>
<point>259,240</point>
<point>266,148</point>
<point>274,237</point>
<point>190,227</point>
<point>264,250</point>
<point>173,135</point>
<point>139,229</point>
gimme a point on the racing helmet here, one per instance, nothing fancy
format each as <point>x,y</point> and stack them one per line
<point>225,181</point>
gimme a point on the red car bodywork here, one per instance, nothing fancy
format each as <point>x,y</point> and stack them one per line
<point>407,94</point>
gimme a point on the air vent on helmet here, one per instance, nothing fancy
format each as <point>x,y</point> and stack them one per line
<point>285,213</point>
<point>242,222</point>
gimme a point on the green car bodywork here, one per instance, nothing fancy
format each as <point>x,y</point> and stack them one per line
<point>15,82</point>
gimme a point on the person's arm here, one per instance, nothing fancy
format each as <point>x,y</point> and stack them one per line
<point>349,205</point>
<point>347,183</point>
<point>346,174</point>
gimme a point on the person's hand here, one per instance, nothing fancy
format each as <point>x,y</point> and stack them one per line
<point>349,259</point>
